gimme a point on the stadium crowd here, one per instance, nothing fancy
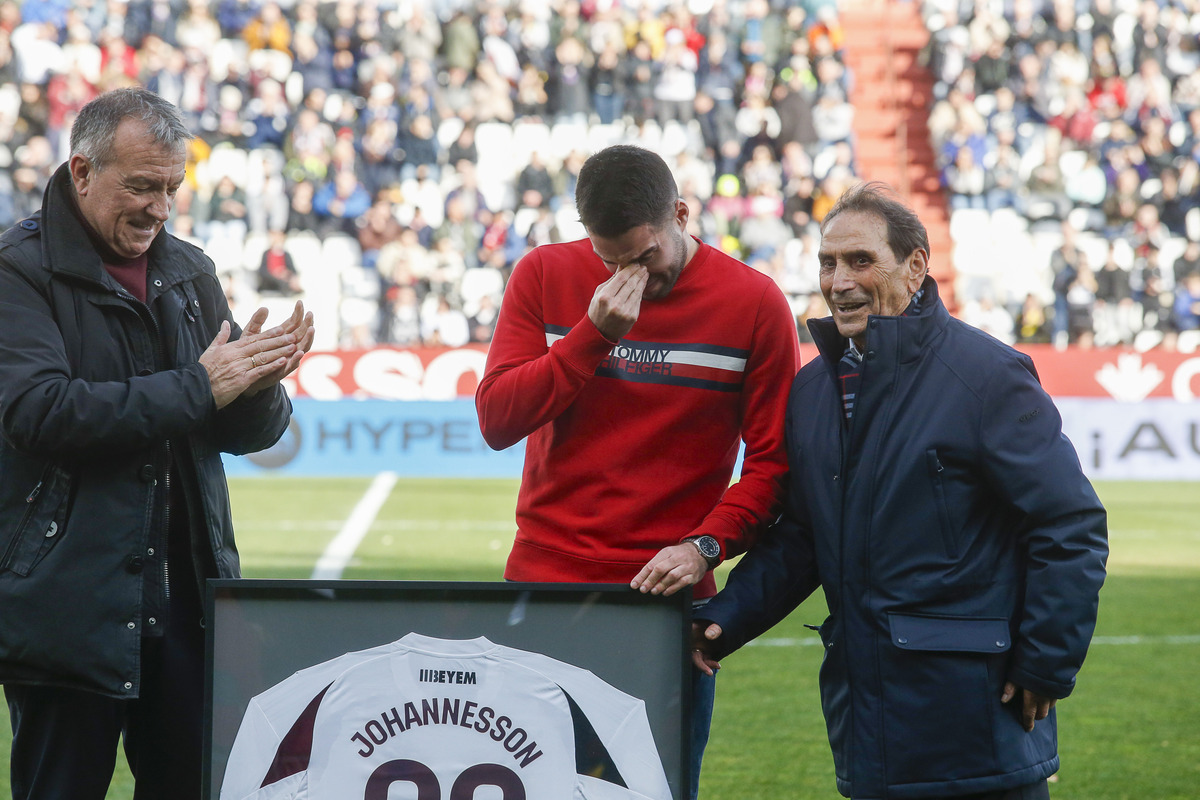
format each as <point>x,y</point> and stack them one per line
<point>1072,129</point>
<point>392,160</point>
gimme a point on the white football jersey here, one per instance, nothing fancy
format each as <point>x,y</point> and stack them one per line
<point>434,719</point>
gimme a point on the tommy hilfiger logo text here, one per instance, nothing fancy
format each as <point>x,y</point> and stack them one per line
<point>640,360</point>
<point>695,365</point>
<point>446,676</point>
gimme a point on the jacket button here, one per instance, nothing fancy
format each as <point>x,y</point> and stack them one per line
<point>870,355</point>
<point>128,685</point>
<point>131,625</point>
<point>146,473</point>
<point>902,640</point>
<point>134,564</point>
<point>52,530</point>
<point>29,224</point>
<point>1000,644</point>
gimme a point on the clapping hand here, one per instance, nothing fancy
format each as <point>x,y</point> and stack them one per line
<point>259,359</point>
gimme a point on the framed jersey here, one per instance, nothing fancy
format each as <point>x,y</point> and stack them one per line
<point>445,691</point>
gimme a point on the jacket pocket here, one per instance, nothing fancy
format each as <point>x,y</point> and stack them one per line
<point>191,303</point>
<point>181,320</point>
<point>42,525</point>
<point>937,478</point>
<point>941,682</point>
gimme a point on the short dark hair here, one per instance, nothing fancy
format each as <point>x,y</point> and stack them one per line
<point>905,233</point>
<point>95,129</point>
<point>624,187</point>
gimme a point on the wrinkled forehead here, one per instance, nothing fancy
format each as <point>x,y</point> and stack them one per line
<point>854,231</point>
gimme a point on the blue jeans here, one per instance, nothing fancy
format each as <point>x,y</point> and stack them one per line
<point>704,690</point>
<point>608,106</point>
<point>1059,323</point>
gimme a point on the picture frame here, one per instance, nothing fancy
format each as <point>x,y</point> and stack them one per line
<point>260,632</point>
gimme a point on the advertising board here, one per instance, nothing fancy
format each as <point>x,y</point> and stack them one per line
<point>1130,415</point>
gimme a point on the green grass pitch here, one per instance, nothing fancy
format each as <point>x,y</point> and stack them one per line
<point>1130,731</point>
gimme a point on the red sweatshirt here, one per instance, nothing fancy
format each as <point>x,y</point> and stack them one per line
<point>631,447</point>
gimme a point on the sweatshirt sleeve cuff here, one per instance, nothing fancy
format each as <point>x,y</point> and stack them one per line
<point>724,535</point>
<point>584,347</point>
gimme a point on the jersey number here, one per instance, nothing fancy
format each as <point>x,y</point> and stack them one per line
<point>405,771</point>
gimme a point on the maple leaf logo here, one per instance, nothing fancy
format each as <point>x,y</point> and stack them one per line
<point>1129,381</point>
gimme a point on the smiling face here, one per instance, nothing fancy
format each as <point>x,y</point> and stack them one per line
<point>664,252</point>
<point>128,201</point>
<point>861,276</point>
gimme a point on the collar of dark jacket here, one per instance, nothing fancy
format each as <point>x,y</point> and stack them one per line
<point>913,333</point>
<point>68,248</point>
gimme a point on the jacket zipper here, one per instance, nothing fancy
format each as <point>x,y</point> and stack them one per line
<point>166,530</point>
<point>160,363</point>
<point>191,316</point>
<point>936,469</point>
<point>29,501</point>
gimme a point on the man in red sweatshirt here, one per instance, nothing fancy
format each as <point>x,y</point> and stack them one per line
<point>635,360</point>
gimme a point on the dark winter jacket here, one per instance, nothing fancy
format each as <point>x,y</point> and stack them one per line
<point>959,546</point>
<point>99,393</point>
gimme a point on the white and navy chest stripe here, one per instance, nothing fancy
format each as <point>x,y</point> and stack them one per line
<point>694,365</point>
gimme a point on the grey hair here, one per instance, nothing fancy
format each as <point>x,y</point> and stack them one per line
<point>95,128</point>
<point>905,233</point>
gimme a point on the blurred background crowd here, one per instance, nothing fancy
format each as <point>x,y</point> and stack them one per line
<point>391,160</point>
<point>1069,140</point>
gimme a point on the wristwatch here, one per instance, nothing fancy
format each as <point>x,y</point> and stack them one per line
<point>709,547</point>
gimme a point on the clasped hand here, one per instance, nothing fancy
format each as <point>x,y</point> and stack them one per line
<point>259,359</point>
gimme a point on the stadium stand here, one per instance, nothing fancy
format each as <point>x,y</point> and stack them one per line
<point>1084,118</point>
<point>420,148</point>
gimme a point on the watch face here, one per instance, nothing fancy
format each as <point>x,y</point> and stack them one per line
<point>709,547</point>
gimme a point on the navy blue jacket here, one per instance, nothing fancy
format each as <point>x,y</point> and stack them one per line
<point>959,545</point>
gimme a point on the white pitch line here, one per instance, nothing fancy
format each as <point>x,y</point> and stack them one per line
<point>809,641</point>
<point>1179,639</point>
<point>341,549</point>
<point>468,525</point>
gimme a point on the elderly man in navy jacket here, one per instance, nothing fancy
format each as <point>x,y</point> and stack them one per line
<point>934,496</point>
